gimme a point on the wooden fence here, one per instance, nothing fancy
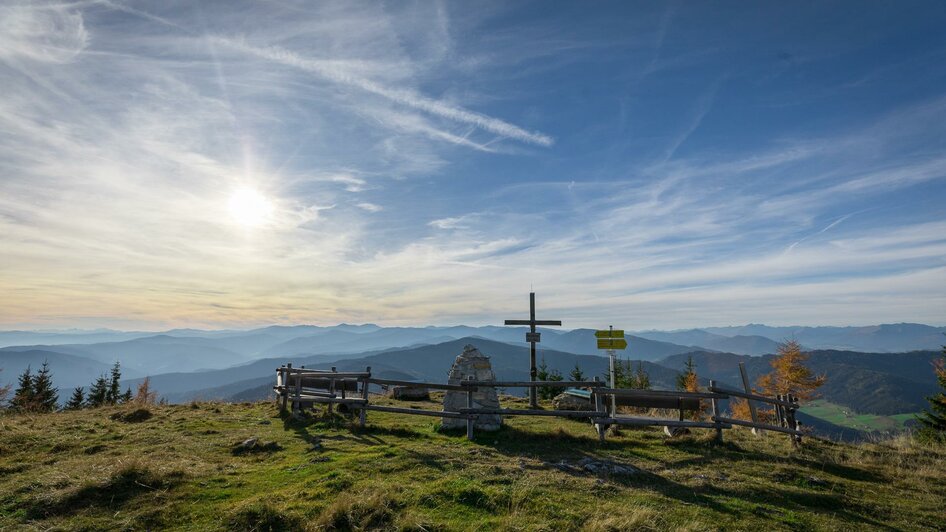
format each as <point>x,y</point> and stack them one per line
<point>297,388</point>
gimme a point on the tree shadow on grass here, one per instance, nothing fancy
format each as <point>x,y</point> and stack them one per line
<point>118,490</point>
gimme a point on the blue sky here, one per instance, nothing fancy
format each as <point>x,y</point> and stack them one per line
<point>646,164</point>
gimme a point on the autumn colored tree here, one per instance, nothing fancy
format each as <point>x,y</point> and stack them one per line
<point>790,375</point>
<point>4,392</point>
<point>688,381</point>
<point>145,395</point>
<point>641,377</point>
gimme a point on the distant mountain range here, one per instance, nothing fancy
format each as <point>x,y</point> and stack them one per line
<point>883,369</point>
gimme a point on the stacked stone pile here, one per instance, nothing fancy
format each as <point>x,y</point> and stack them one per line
<point>472,363</point>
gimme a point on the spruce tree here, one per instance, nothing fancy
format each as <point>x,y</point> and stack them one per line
<point>620,375</point>
<point>23,396</point>
<point>576,374</point>
<point>98,392</point>
<point>641,378</point>
<point>114,389</point>
<point>934,419</point>
<point>127,396</point>
<point>543,374</point>
<point>45,395</point>
<point>77,401</point>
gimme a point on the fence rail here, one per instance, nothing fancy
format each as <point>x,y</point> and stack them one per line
<point>297,388</point>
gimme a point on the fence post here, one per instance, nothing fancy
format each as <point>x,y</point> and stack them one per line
<point>469,416</point>
<point>745,385</point>
<point>364,395</point>
<point>279,383</point>
<point>715,401</point>
<point>297,400</point>
<point>331,390</point>
<point>796,439</point>
<point>599,405</point>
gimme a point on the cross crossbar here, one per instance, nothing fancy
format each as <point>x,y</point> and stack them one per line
<point>533,322</point>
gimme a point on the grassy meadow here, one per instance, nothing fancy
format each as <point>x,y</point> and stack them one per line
<point>179,467</point>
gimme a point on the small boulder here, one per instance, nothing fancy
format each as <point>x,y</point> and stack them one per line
<point>564,401</point>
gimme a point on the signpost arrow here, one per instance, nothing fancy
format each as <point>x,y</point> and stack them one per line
<point>612,343</point>
<point>612,333</point>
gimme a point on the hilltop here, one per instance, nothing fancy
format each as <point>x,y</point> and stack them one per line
<point>178,466</point>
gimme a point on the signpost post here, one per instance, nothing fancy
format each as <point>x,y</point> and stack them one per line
<point>611,340</point>
<point>533,338</point>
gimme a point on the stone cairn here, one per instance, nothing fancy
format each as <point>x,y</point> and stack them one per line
<point>472,363</point>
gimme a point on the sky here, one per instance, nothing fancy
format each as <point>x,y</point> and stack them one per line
<point>639,164</point>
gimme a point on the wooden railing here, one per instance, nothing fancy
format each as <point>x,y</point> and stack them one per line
<point>297,388</point>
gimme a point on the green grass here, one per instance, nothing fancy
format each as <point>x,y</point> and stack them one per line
<point>176,469</point>
<point>843,416</point>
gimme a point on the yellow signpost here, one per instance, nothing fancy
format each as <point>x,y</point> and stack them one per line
<point>611,339</point>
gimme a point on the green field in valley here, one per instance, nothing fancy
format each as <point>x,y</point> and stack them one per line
<point>845,417</point>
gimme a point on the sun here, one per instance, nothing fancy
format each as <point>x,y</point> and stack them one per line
<point>249,208</point>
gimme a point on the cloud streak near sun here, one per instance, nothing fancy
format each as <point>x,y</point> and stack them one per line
<point>172,165</point>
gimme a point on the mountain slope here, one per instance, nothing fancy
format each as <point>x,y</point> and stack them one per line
<point>870,383</point>
<point>68,371</point>
<point>429,363</point>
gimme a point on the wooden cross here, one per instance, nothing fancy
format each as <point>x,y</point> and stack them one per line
<point>533,338</point>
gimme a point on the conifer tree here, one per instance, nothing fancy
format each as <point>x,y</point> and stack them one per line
<point>790,375</point>
<point>934,419</point>
<point>23,396</point>
<point>77,401</point>
<point>45,395</point>
<point>114,389</point>
<point>98,392</point>
<point>641,377</point>
<point>576,374</point>
<point>543,374</point>
<point>127,396</point>
<point>621,374</point>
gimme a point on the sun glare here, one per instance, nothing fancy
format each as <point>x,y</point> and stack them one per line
<point>249,208</point>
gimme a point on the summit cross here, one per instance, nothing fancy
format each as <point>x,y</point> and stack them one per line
<point>533,338</point>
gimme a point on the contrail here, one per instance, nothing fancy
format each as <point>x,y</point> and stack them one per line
<point>329,70</point>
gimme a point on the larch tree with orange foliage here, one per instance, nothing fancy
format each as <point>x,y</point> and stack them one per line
<point>689,382</point>
<point>790,375</point>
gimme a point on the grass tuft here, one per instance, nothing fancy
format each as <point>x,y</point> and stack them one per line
<point>134,416</point>
<point>262,517</point>
<point>359,511</point>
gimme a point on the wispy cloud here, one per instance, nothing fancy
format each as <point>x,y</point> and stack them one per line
<point>335,72</point>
